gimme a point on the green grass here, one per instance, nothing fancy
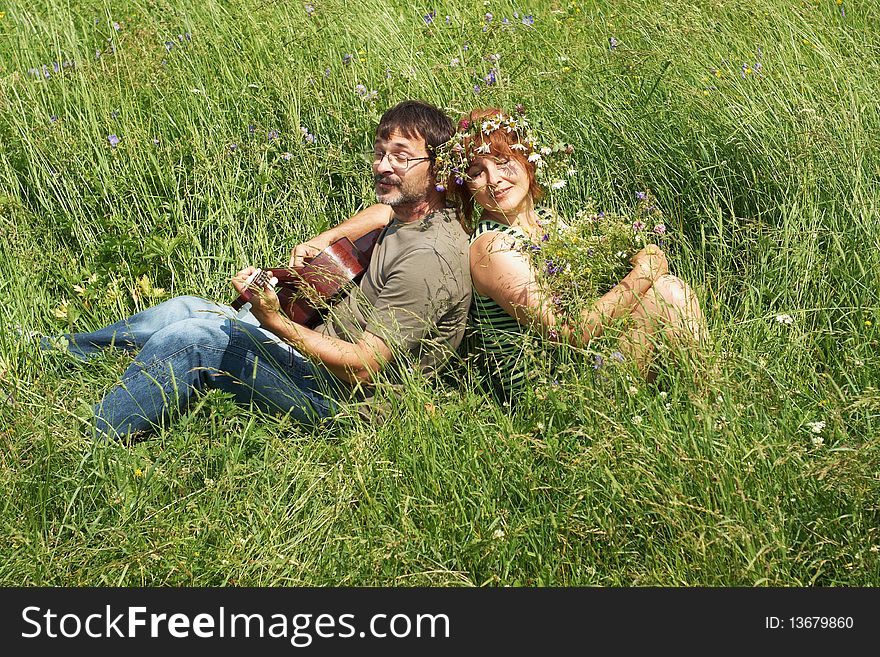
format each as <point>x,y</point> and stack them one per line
<point>769,180</point>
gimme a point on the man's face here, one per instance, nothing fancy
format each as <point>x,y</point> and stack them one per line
<point>398,183</point>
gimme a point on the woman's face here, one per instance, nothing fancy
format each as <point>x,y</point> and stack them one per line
<point>499,184</point>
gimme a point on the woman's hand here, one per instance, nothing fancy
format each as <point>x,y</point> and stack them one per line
<point>650,262</point>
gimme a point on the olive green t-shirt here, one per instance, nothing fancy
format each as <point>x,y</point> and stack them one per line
<point>415,294</point>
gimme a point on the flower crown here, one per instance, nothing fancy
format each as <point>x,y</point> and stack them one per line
<point>453,158</point>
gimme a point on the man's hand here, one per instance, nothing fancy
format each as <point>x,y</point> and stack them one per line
<point>650,262</point>
<point>264,301</point>
<point>304,251</point>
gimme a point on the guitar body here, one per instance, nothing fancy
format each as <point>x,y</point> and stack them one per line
<point>304,291</point>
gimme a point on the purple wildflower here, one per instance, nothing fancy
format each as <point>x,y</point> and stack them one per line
<point>660,229</point>
<point>491,77</point>
<point>448,19</point>
<point>477,89</point>
<point>553,334</point>
<point>545,237</point>
<point>117,26</point>
<point>114,114</point>
<point>233,148</point>
<point>613,43</point>
<point>429,18</point>
<point>638,225</point>
<point>310,9</point>
<point>528,20</point>
<point>459,181</point>
<point>360,90</point>
<point>346,59</point>
<point>520,108</point>
<point>598,362</point>
<point>618,356</point>
<point>286,156</point>
<point>440,188</point>
<point>488,17</point>
<point>273,135</point>
<point>53,119</point>
<point>641,196</point>
<point>590,253</point>
<point>169,45</point>
<point>327,72</point>
<point>155,142</point>
<point>56,67</point>
<point>252,129</point>
<point>113,139</point>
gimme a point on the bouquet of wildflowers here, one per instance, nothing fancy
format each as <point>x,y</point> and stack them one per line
<point>579,261</point>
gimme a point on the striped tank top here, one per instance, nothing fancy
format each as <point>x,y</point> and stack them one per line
<point>501,341</point>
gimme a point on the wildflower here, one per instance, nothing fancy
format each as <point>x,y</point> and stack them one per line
<point>286,156</point>
<point>641,196</point>
<point>746,69</point>
<point>310,9</point>
<point>114,114</point>
<point>598,362</point>
<point>553,334</point>
<point>53,119</point>
<point>273,135</point>
<point>617,356</point>
<point>637,420</point>
<point>440,188</point>
<point>488,17</point>
<point>455,61</point>
<point>155,142</point>
<point>169,45</point>
<point>660,229</point>
<point>638,226</point>
<point>816,427</point>
<point>252,129</point>
<point>557,184</point>
<point>612,43</point>
<point>632,391</point>
<point>785,319</point>
<point>490,77</point>
<point>429,18</point>
<point>520,108</point>
<point>233,148</point>
<point>113,139</point>
<point>498,534</point>
<point>138,473</point>
<point>346,59</point>
<point>534,157</point>
<point>448,19</point>
<point>360,90</point>
<point>528,20</point>
<point>817,440</point>
<point>477,89</point>
<point>571,172</point>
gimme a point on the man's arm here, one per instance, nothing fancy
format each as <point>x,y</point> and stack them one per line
<point>375,216</point>
<point>353,362</point>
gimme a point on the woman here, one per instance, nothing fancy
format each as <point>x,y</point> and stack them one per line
<point>492,162</point>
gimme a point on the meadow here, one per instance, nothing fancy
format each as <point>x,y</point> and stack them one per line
<point>151,148</point>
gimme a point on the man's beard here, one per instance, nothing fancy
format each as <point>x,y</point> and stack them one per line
<point>401,195</point>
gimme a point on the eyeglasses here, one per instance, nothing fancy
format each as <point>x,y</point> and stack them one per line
<point>398,162</point>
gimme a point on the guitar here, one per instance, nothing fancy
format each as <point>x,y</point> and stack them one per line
<point>304,291</point>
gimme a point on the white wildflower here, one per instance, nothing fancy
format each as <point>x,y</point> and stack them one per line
<point>817,440</point>
<point>482,149</point>
<point>637,420</point>
<point>534,157</point>
<point>498,534</point>
<point>557,184</point>
<point>785,319</point>
<point>455,61</point>
<point>816,427</point>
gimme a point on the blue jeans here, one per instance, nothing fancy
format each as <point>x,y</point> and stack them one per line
<point>188,344</point>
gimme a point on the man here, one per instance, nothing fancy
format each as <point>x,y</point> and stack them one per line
<point>409,308</point>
